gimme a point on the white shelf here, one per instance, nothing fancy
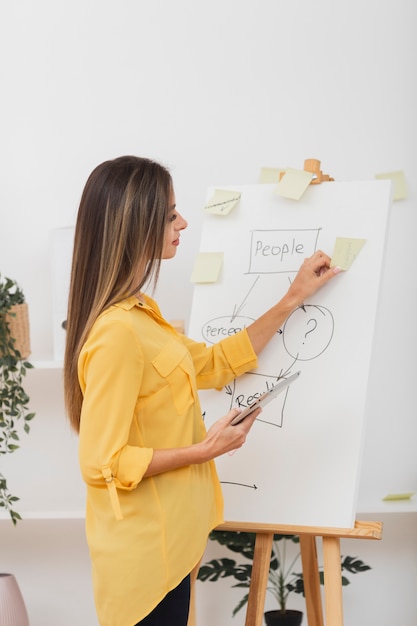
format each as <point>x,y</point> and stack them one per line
<point>46,515</point>
<point>398,507</point>
<point>47,365</point>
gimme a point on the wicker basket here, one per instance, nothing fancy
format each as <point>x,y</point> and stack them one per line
<point>19,328</point>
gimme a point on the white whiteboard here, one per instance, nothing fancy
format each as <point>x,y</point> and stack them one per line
<point>301,462</point>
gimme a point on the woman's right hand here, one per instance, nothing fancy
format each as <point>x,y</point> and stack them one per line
<point>314,272</point>
<point>223,437</point>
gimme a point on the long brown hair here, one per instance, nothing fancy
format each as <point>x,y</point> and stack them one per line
<point>118,245</point>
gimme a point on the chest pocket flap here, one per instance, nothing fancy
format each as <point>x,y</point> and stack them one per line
<point>174,364</point>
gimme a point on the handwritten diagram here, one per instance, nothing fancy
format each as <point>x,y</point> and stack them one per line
<point>307,332</point>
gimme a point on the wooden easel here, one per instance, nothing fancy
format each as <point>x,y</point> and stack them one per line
<point>308,545</point>
<point>313,166</point>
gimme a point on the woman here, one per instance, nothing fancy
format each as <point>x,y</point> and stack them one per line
<point>131,385</point>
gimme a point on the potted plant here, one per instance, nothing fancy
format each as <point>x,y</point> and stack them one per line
<point>14,349</point>
<point>283,580</point>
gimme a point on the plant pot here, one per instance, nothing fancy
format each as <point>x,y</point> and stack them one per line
<point>12,606</point>
<point>286,618</point>
<point>18,320</point>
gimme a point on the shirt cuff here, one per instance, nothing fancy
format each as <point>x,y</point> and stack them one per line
<point>240,353</point>
<point>132,464</point>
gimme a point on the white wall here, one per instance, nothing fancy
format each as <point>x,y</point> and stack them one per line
<point>215,91</point>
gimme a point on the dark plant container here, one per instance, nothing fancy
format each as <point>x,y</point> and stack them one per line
<point>286,618</point>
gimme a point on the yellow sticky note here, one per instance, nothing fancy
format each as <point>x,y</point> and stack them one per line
<point>294,183</point>
<point>399,191</point>
<point>207,267</point>
<point>399,496</point>
<point>345,251</point>
<point>222,201</point>
<point>270,175</point>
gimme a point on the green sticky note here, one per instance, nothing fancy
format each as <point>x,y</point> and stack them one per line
<point>207,267</point>
<point>399,496</point>
<point>346,249</point>
<point>398,181</point>
<point>294,183</point>
<point>270,175</point>
<point>222,201</point>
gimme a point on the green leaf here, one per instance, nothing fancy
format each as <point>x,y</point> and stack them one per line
<point>220,568</point>
<point>241,604</point>
<point>14,401</point>
<point>354,565</point>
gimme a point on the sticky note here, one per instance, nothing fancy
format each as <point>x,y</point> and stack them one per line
<point>399,191</point>
<point>399,496</point>
<point>345,251</point>
<point>207,267</point>
<point>270,175</point>
<point>222,201</point>
<point>294,183</point>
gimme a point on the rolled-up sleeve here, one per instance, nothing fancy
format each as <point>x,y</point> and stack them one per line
<point>218,364</point>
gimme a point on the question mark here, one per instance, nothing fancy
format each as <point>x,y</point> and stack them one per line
<point>311,330</point>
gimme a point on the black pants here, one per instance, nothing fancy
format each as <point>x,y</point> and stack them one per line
<point>173,609</point>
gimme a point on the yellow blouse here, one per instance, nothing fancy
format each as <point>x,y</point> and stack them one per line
<point>139,379</point>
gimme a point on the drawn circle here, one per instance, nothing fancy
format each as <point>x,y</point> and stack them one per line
<point>308,332</point>
<point>225,326</point>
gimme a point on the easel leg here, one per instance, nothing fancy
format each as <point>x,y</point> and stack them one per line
<point>259,579</point>
<point>311,580</point>
<point>332,581</point>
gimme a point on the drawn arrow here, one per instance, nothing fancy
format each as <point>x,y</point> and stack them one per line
<point>226,482</point>
<point>229,390</point>
<point>237,309</point>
